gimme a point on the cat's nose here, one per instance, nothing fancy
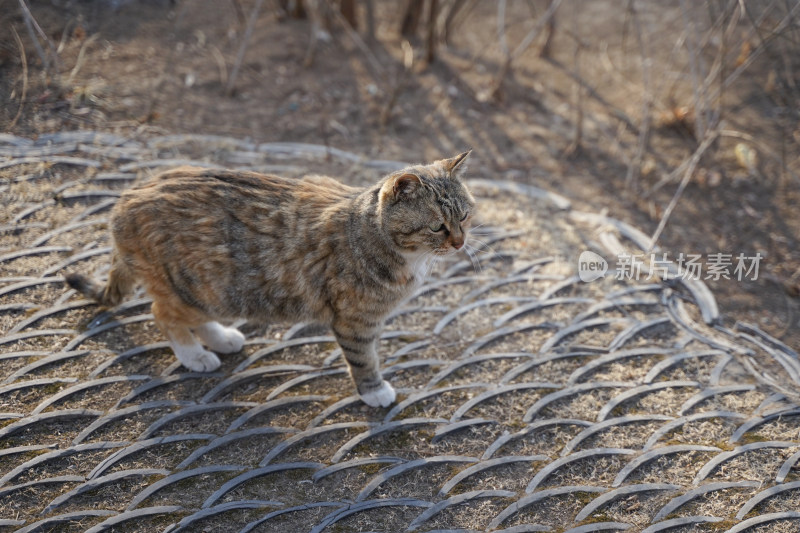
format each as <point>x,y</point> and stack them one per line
<point>457,242</point>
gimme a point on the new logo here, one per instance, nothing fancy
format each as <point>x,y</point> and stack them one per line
<point>591,266</point>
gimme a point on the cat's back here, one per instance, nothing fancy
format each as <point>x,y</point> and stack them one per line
<point>190,209</point>
<point>203,187</point>
<point>206,188</point>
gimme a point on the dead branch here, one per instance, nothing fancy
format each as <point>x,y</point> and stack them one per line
<point>399,84</point>
<point>458,10</point>
<point>411,17</point>
<point>534,32</point>
<point>578,93</point>
<point>248,32</point>
<point>647,102</point>
<point>716,71</point>
<point>501,28</point>
<point>761,48</point>
<point>549,35</point>
<point>348,10</point>
<point>81,58</point>
<point>433,12</point>
<point>237,7</point>
<point>700,103</point>
<point>707,99</point>
<point>221,66</point>
<point>376,66</point>
<point>369,13</point>
<point>34,29</point>
<point>24,93</point>
<point>505,68</point>
<point>689,165</point>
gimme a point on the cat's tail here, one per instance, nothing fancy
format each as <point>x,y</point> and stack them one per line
<point>120,283</point>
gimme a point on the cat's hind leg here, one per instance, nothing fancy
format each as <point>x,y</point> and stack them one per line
<point>219,338</point>
<point>188,350</point>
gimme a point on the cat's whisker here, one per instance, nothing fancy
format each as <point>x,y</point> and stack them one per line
<point>485,248</point>
<point>476,264</point>
<point>431,261</point>
<point>473,228</point>
<point>431,264</point>
<point>424,263</point>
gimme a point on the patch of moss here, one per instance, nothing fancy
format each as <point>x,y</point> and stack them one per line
<point>585,498</point>
<point>748,438</point>
<point>371,469</point>
<point>723,525</point>
<point>723,445</point>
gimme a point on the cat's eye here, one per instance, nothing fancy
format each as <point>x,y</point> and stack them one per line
<point>436,228</point>
<point>463,218</point>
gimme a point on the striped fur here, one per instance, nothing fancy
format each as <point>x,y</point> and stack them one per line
<point>213,245</point>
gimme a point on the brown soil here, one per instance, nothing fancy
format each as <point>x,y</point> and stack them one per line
<point>158,66</point>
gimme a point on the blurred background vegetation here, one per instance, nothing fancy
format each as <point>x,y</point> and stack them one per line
<point>680,117</point>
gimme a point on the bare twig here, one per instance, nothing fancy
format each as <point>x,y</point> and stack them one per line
<point>690,165</point>
<point>694,67</point>
<point>81,58</point>
<point>705,96</point>
<point>399,84</point>
<point>501,27</point>
<point>348,10</point>
<point>534,32</point>
<point>248,32</point>
<point>24,61</point>
<point>647,102</point>
<point>578,93</point>
<point>65,34</point>
<point>221,66</point>
<point>521,47</point>
<point>775,33</point>
<point>237,7</point>
<point>456,8</point>
<point>716,73</point>
<point>411,17</point>
<point>550,33</point>
<point>369,15</point>
<point>433,12</point>
<point>359,42</point>
<point>34,29</point>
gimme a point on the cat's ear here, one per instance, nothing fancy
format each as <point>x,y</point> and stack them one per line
<point>457,165</point>
<point>401,186</point>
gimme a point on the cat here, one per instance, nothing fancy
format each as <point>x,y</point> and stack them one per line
<point>211,245</point>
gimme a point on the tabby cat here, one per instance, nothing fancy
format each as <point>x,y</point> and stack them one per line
<point>213,245</point>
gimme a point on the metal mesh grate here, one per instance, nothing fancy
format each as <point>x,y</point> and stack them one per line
<point>529,400</point>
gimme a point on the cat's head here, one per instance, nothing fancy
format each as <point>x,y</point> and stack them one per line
<point>427,208</point>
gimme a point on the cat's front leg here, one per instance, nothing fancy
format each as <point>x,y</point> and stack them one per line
<point>359,350</point>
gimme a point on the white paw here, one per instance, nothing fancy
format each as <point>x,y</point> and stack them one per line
<point>231,342</point>
<point>198,360</point>
<point>221,339</point>
<point>383,396</point>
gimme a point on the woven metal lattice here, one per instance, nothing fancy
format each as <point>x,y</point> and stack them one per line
<point>528,399</point>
